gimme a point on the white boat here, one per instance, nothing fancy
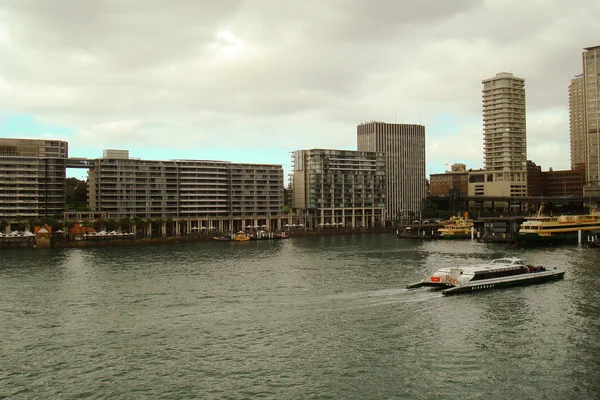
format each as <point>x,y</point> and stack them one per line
<point>501,272</point>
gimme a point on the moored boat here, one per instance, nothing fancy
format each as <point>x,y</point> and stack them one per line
<point>241,237</point>
<point>562,229</point>
<point>458,227</point>
<point>499,273</point>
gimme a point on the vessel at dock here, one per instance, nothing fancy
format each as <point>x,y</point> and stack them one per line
<point>499,273</point>
<point>562,229</point>
<point>458,227</point>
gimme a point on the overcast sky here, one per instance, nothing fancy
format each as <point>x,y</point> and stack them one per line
<point>251,81</point>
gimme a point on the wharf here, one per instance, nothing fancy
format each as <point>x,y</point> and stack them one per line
<point>417,231</point>
<point>497,229</point>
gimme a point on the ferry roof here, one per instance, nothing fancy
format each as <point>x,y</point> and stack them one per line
<point>496,264</point>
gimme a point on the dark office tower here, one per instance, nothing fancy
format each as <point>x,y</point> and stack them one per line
<point>404,148</point>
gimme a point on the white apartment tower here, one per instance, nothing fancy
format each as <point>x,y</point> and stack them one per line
<point>404,148</point>
<point>504,134</point>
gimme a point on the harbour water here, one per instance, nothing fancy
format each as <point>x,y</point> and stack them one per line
<point>303,318</point>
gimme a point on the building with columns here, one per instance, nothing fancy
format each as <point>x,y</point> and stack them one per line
<point>197,194</point>
<point>32,178</point>
<point>404,149</point>
<point>335,188</point>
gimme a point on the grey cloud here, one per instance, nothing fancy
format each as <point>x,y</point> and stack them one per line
<point>307,68</point>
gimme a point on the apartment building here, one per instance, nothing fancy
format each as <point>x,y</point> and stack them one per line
<point>339,187</point>
<point>504,134</point>
<point>32,178</point>
<point>404,149</point>
<point>120,186</point>
<point>577,121</point>
<point>591,83</point>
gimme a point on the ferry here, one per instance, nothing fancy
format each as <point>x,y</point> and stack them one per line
<point>241,237</point>
<point>499,273</point>
<point>458,227</point>
<point>561,229</point>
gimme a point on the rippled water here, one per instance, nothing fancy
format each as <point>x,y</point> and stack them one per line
<point>322,318</point>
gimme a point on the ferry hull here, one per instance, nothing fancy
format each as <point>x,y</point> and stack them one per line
<point>557,238</point>
<point>499,283</point>
<point>456,236</point>
<point>436,285</point>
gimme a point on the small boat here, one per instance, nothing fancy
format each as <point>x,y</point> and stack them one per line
<point>241,237</point>
<point>458,227</point>
<point>222,238</point>
<point>562,229</point>
<point>499,273</point>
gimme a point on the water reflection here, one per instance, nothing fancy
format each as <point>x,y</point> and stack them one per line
<point>297,318</point>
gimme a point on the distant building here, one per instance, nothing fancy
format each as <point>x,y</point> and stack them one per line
<point>457,179</point>
<point>591,84</point>
<point>404,148</point>
<point>555,183</point>
<point>32,178</point>
<point>339,187</point>
<point>505,143</point>
<point>577,121</point>
<point>120,186</point>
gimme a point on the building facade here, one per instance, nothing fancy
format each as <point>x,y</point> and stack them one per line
<point>120,186</point>
<point>404,148</point>
<point>591,82</point>
<point>577,124</point>
<point>505,144</point>
<point>339,187</point>
<point>32,178</point>
<point>555,183</point>
<point>457,179</point>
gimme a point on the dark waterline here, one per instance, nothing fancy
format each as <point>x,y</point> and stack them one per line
<point>320,317</point>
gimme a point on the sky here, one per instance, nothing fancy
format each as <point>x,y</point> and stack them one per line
<point>252,81</point>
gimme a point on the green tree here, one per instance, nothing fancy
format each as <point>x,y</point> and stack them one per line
<point>99,224</point>
<point>125,224</point>
<point>112,225</point>
<point>76,194</point>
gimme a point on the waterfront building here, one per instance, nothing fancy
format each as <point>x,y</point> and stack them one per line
<point>339,188</point>
<point>32,178</point>
<point>505,144</point>
<point>457,179</point>
<point>591,92</point>
<point>555,183</point>
<point>219,194</point>
<point>404,148</point>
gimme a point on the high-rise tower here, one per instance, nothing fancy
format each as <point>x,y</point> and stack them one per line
<point>404,148</point>
<point>504,127</point>
<point>577,127</point>
<point>591,83</point>
<point>504,138</point>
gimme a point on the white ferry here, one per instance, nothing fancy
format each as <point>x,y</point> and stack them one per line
<point>564,228</point>
<point>501,272</point>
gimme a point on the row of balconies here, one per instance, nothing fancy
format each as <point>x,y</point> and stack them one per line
<point>342,205</point>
